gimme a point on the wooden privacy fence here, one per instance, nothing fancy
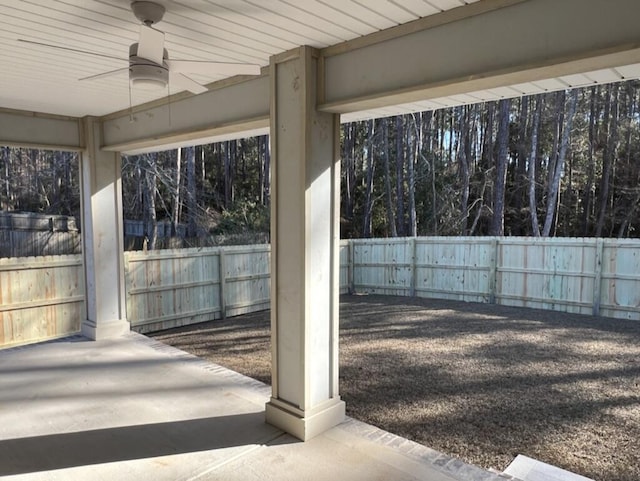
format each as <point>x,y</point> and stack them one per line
<point>171,288</point>
<point>26,234</point>
<point>43,297</point>
<point>587,276</point>
<point>35,243</point>
<point>40,298</point>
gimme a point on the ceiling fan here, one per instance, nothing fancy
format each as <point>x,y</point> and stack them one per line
<point>149,64</point>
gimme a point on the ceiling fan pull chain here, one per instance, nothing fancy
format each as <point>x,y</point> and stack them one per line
<point>169,99</point>
<point>130,103</point>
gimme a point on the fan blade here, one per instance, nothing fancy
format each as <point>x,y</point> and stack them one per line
<point>60,47</point>
<point>212,68</point>
<point>151,44</point>
<point>105,74</point>
<point>184,82</point>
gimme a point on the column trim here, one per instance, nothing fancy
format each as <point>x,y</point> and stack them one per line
<point>309,424</point>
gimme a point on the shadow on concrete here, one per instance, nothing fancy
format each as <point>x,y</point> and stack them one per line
<point>66,450</point>
<point>483,382</point>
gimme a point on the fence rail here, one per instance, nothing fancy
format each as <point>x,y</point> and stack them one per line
<point>43,297</point>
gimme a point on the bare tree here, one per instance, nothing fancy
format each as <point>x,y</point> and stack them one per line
<point>554,185</point>
<point>533,155</point>
<point>592,136</point>
<point>176,200</point>
<point>400,161</point>
<point>463,166</point>
<point>413,160</point>
<point>608,155</point>
<point>190,160</point>
<point>367,218</point>
<point>497,222</point>
<point>387,178</point>
<point>349,165</point>
<point>149,162</point>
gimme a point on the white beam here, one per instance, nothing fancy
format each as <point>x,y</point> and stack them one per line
<point>31,129</point>
<point>230,106</point>
<point>487,44</point>
<point>241,131</point>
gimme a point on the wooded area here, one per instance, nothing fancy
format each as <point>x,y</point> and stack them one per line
<point>568,157</point>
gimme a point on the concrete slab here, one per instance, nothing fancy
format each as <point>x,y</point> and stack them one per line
<point>135,409</point>
<point>528,469</point>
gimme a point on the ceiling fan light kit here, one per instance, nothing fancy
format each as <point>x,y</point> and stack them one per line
<point>148,77</point>
<point>145,74</point>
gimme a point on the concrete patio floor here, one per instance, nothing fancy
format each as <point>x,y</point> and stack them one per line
<point>135,409</point>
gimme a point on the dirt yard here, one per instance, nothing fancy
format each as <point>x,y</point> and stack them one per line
<point>476,381</point>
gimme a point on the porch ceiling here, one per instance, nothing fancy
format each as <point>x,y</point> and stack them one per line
<point>45,80</point>
<point>42,79</point>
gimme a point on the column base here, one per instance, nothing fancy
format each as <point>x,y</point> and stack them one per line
<point>104,330</point>
<point>305,427</point>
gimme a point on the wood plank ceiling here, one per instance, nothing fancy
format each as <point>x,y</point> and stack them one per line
<point>41,79</point>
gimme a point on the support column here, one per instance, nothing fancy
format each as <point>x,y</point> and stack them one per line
<point>102,247</point>
<point>304,251</point>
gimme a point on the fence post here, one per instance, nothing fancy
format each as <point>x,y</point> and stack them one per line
<point>597,277</point>
<point>412,285</point>
<point>223,287</point>
<point>493,269</point>
<point>352,289</point>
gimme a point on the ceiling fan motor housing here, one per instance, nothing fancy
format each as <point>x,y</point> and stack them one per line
<point>146,74</point>
<point>148,12</point>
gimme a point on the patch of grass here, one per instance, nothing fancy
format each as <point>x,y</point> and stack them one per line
<point>476,381</point>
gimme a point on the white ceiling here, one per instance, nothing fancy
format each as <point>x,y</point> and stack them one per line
<point>42,79</point>
<point>37,78</point>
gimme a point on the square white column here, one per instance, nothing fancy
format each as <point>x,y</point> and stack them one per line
<point>304,251</point>
<point>102,246</point>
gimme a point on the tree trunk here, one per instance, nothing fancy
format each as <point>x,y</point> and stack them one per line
<point>587,196</point>
<point>558,119</point>
<point>427,150</point>
<point>190,160</point>
<point>149,194</point>
<point>367,230</point>
<point>387,178</point>
<point>497,222</point>
<point>487,143</point>
<point>520,179</point>
<point>554,186</point>
<point>228,172</point>
<point>400,155</point>
<point>413,160</point>
<point>607,158</point>
<point>175,204</point>
<point>348,156</point>
<point>6,161</point>
<point>463,167</point>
